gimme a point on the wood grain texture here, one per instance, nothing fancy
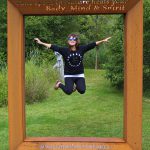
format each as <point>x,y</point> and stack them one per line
<point>74,139</point>
<point>133,85</point>
<point>133,75</point>
<point>73,146</point>
<point>15,77</point>
<point>45,7</point>
<point>131,4</point>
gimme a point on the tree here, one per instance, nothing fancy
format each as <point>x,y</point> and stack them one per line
<point>146,69</point>
<point>96,27</point>
<point>3,35</point>
<point>115,64</point>
<point>50,29</point>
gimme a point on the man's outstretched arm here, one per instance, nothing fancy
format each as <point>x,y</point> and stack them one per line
<point>47,45</point>
<point>104,40</point>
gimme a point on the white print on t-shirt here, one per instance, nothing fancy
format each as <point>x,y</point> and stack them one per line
<point>74,59</point>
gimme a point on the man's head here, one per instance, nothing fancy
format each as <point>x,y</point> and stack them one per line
<point>73,40</point>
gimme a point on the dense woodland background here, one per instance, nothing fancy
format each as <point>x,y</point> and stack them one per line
<point>55,29</point>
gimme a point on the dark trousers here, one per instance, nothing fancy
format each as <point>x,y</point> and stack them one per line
<point>69,85</point>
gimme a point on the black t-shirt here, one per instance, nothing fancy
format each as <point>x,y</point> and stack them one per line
<point>73,59</point>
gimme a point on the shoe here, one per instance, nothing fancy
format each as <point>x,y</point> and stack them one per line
<point>57,85</point>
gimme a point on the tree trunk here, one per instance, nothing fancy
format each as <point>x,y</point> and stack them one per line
<point>96,60</point>
<point>96,29</point>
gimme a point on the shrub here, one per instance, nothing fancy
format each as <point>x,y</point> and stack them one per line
<point>37,82</point>
<point>3,88</point>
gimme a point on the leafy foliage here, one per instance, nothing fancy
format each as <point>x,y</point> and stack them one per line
<point>50,29</point>
<point>94,28</point>
<point>115,64</point>
<point>146,69</point>
<point>55,29</point>
<point>3,35</point>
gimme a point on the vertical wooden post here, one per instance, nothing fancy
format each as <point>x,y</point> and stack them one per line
<point>133,75</point>
<point>15,76</point>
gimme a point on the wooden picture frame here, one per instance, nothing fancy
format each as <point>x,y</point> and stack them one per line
<point>133,16</point>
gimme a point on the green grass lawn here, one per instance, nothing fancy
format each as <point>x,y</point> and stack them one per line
<point>3,129</point>
<point>146,124</point>
<point>98,113</point>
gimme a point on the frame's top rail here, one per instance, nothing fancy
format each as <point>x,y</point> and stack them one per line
<point>65,7</point>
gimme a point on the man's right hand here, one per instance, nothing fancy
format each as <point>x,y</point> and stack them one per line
<point>37,40</point>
